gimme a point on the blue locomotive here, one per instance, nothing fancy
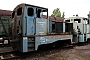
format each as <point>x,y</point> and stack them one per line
<point>30,30</point>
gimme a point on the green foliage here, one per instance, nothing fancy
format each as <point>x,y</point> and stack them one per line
<point>88,15</point>
<point>63,15</point>
<point>56,13</point>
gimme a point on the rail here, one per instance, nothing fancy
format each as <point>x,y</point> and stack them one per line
<point>8,55</point>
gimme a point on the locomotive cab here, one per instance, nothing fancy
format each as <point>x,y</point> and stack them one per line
<point>25,18</point>
<point>28,22</point>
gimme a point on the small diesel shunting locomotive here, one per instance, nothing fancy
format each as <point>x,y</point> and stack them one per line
<point>30,29</point>
<point>81,28</point>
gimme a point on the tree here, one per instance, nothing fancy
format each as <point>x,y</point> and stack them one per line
<point>88,15</point>
<point>56,13</point>
<point>63,15</point>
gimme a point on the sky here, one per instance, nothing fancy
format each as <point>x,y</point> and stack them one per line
<point>70,7</point>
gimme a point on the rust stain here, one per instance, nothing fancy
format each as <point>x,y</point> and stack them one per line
<point>57,19</point>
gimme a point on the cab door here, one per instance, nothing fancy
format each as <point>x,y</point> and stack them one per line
<point>30,20</point>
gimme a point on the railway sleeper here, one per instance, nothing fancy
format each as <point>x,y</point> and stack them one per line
<point>8,56</point>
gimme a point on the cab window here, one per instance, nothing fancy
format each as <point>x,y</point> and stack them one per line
<point>38,13</point>
<point>30,12</point>
<point>19,11</point>
<point>77,20</point>
<point>13,14</point>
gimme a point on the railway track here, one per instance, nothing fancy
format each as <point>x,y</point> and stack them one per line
<point>16,55</point>
<point>8,55</point>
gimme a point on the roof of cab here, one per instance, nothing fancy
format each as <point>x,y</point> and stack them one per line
<point>36,6</point>
<point>23,4</point>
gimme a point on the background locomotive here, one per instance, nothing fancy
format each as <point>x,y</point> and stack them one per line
<point>81,27</point>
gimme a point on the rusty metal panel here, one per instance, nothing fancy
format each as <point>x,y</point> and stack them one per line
<point>39,40</point>
<point>65,36</point>
<point>50,26</point>
<point>41,26</point>
<point>54,18</point>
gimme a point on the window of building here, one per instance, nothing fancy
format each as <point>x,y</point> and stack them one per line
<point>13,14</point>
<point>30,12</point>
